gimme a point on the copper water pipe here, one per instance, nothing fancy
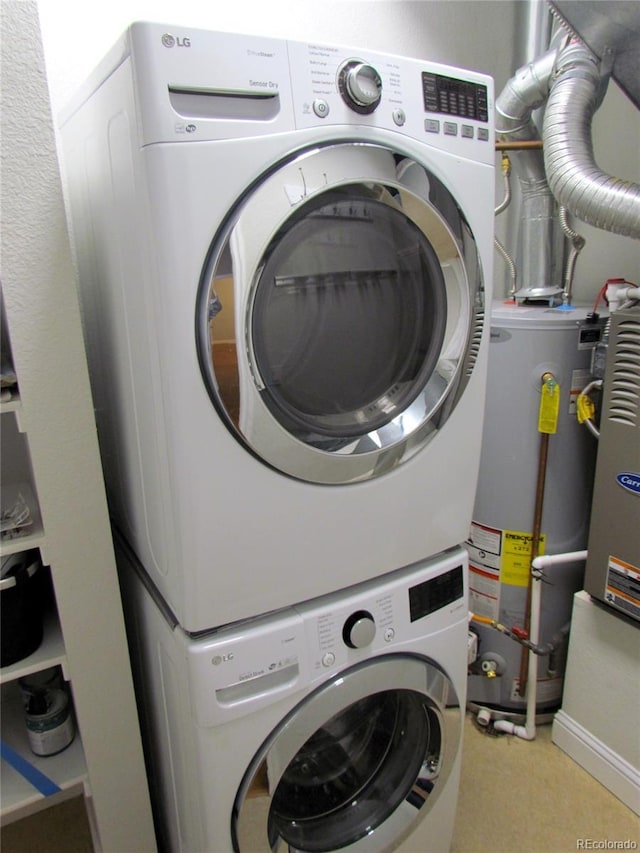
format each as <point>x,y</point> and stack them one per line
<point>522,145</point>
<point>535,541</point>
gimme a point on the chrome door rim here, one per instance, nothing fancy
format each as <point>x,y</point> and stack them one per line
<point>393,672</point>
<point>250,230</point>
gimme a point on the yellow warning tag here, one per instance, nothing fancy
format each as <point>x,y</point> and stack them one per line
<point>549,406</point>
<point>585,409</point>
<point>516,556</point>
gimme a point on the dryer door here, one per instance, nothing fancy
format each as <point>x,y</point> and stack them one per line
<point>340,313</point>
<point>355,765</point>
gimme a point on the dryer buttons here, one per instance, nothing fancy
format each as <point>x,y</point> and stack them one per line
<point>359,629</point>
<point>321,108</point>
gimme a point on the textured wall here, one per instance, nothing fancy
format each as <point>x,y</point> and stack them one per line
<point>36,260</point>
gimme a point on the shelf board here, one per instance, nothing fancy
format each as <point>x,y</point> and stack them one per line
<point>51,652</point>
<point>67,770</point>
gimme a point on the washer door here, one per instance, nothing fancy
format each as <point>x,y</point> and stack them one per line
<point>355,765</point>
<point>340,313</point>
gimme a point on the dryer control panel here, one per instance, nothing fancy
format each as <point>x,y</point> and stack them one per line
<point>195,85</point>
<point>445,107</point>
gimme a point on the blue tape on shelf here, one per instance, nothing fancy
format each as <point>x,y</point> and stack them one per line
<point>39,781</point>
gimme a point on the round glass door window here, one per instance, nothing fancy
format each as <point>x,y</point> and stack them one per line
<point>339,313</point>
<point>355,771</point>
<point>348,317</point>
<point>354,767</point>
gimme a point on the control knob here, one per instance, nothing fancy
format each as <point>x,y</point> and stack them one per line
<point>360,86</point>
<point>359,629</point>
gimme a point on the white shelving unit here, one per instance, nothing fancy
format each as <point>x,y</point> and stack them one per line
<point>67,770</point>
<point>50,452</point>
<point>35,537</point>
<point>50,653</point>
<point>12,405</point>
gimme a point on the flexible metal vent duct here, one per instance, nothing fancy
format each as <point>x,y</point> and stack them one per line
<point>611,30</point>
<point>610,36</point>
<point>572,80</point>
<point>574,177</point>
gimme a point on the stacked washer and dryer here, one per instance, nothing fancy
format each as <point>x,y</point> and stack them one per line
<point>285,255</point>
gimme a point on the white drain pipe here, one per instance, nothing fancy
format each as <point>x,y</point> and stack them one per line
<point>528,731</point>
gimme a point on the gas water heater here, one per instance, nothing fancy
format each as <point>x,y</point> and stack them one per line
<point>529,344</point>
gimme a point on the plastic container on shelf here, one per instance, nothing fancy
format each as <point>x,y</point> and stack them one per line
<point>21,606</point>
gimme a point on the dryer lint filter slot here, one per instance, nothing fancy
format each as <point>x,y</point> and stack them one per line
<point>201,103</point>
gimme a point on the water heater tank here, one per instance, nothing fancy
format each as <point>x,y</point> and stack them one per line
<point>526,343</point>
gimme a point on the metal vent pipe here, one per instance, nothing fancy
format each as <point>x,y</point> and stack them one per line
<point>527,90</point>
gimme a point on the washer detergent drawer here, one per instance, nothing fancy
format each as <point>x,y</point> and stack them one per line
<point>233,674</point>
<point>356,764</point>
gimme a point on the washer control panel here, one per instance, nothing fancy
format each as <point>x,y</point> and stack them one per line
<point>341,629</point>
<point>238,669</point>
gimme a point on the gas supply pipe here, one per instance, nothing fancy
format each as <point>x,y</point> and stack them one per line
<point>504,204</point>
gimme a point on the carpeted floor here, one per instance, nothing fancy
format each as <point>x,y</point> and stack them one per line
<point>530,797</point>
<point>514,796</point>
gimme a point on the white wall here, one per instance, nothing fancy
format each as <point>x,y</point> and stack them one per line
<point>598,723</point>
<point>77,33</point>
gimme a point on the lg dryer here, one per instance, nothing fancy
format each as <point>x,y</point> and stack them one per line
<point>285,252</point>
<point>333,725</point>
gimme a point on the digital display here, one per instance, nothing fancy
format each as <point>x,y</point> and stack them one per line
<point>448,96</point>
<point>431,595</point>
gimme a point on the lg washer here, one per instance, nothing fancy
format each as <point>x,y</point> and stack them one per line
<point>333,725</point>
<point>285,253</point>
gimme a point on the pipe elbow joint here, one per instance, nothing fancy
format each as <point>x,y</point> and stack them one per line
<point>576,59</point>
<point>576,89</point>
<point>510,728</point>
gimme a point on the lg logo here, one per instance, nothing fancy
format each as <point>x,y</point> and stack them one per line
<point>218,659</point>
<point>171,41</point>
